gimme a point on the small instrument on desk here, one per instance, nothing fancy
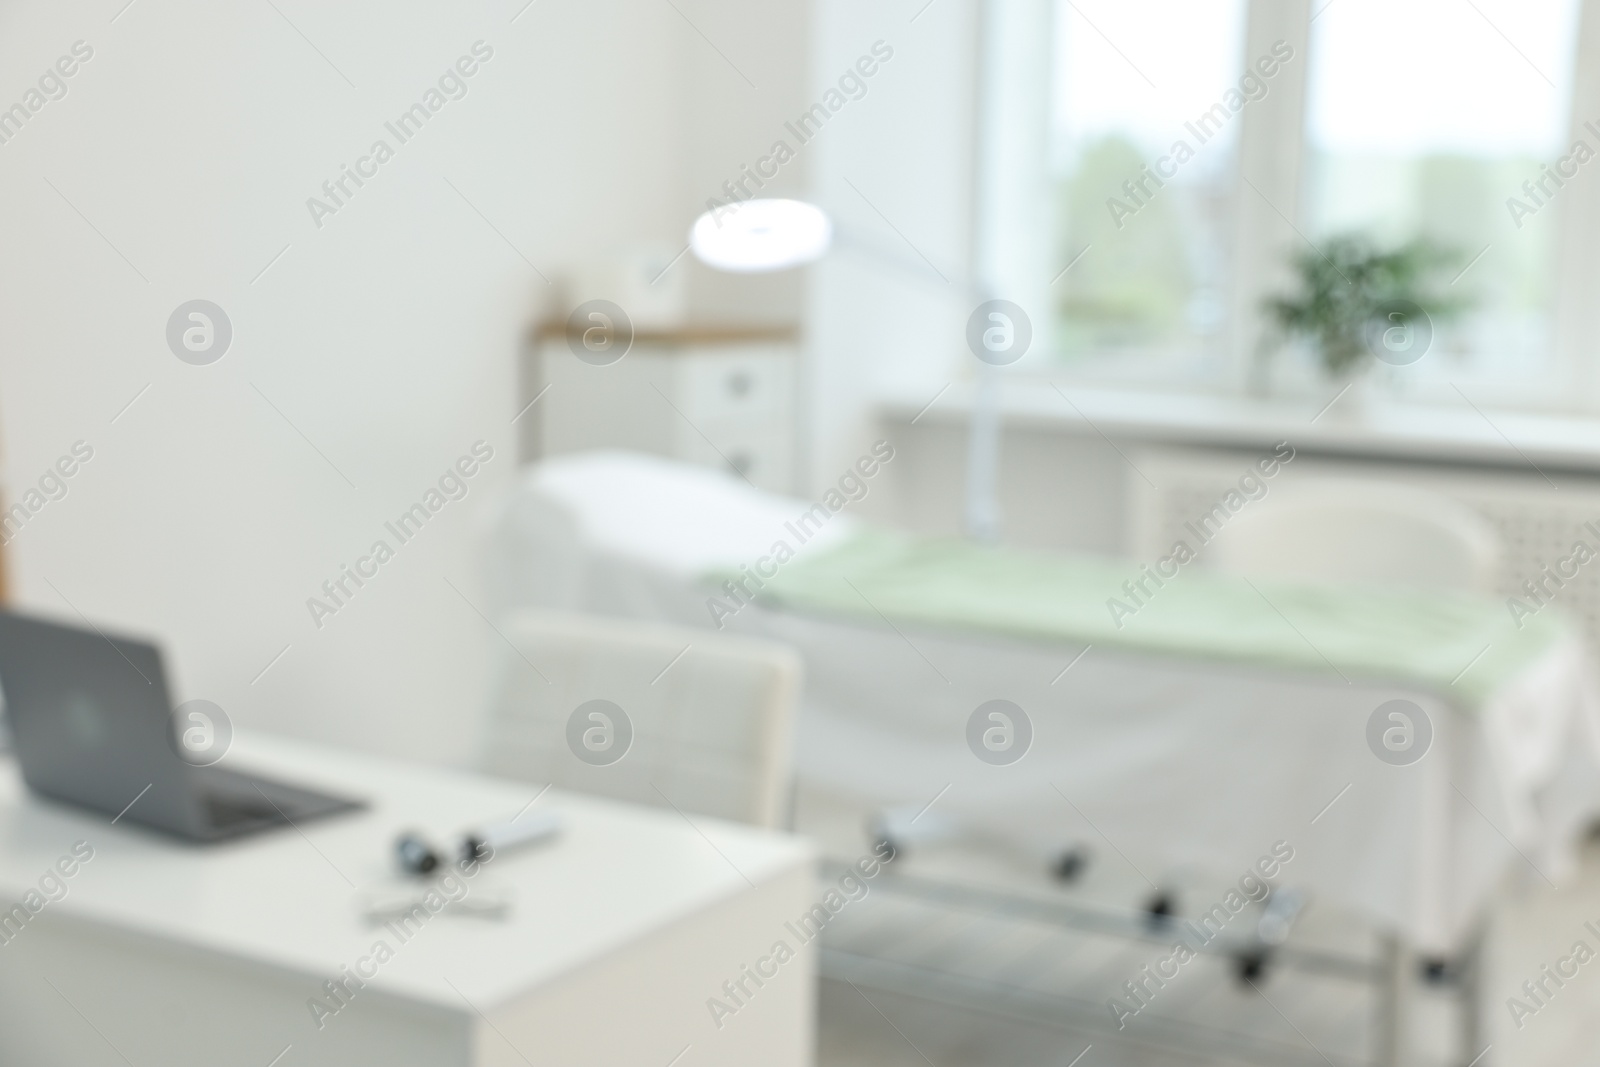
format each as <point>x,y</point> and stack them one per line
<point>496,838</point>
<point>416,856</point>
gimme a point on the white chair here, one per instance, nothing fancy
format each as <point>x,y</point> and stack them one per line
<point>1370,533</point>
<point>710,716</point>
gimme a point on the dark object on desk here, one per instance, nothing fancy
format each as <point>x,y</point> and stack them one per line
<point>92,726</point>
<point>484,844</point>
<point>1160,909</point>
<point>415,855</point>
<point>1071,864</point>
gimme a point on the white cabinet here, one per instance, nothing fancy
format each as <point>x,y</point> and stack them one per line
<point>723,398</point>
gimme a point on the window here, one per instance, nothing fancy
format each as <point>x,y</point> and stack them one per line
<point>1455,122</point>
<point>1423,120</point>
<point>1145,255</point>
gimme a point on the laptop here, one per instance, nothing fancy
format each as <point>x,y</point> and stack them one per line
<point>92,726</point>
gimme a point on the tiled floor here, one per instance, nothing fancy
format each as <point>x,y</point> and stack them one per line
<point>866,1028</point>
<point>1538,925</point>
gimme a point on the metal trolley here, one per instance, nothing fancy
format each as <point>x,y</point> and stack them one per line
<point>1251,994</point>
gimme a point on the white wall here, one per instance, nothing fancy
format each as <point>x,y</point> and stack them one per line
<point>878,313</point>
<point>1059,489</point>
<point>191,141</point>
<point>729,123</point>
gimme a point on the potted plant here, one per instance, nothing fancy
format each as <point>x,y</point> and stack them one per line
<point>1355,304</point>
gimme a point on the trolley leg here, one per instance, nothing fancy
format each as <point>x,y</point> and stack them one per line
<point>1391,996</point>
<point>1474,1034</point>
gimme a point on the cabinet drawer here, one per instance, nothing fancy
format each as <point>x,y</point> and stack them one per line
<point>762,455</point>
<point>731,386</point>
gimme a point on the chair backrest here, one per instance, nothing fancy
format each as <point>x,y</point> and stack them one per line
<point>704,722</point>
<point>1376,533</point>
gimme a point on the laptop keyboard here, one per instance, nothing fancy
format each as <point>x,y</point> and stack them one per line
<point>224,811</point>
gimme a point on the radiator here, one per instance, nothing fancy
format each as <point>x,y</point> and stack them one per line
<point>1537,521</point>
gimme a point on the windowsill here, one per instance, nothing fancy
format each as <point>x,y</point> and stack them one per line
<point>1379,428</point>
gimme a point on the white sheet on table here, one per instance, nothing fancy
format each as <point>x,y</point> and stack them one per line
<point>615,525</point>
<point>685,520</point>
<point>1169,762</point>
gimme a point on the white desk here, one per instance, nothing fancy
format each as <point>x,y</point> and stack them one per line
<point>166,954</point>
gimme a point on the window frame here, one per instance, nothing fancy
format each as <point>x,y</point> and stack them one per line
<point>1268,192</point>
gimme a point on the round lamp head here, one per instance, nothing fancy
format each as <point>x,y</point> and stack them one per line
<point>760,235</point>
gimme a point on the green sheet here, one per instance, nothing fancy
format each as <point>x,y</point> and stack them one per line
<point>1459,645</point>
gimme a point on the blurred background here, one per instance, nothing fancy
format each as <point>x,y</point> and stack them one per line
<point>1070,275</point>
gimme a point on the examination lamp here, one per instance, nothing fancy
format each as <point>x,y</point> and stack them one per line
<point>755,236</point>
